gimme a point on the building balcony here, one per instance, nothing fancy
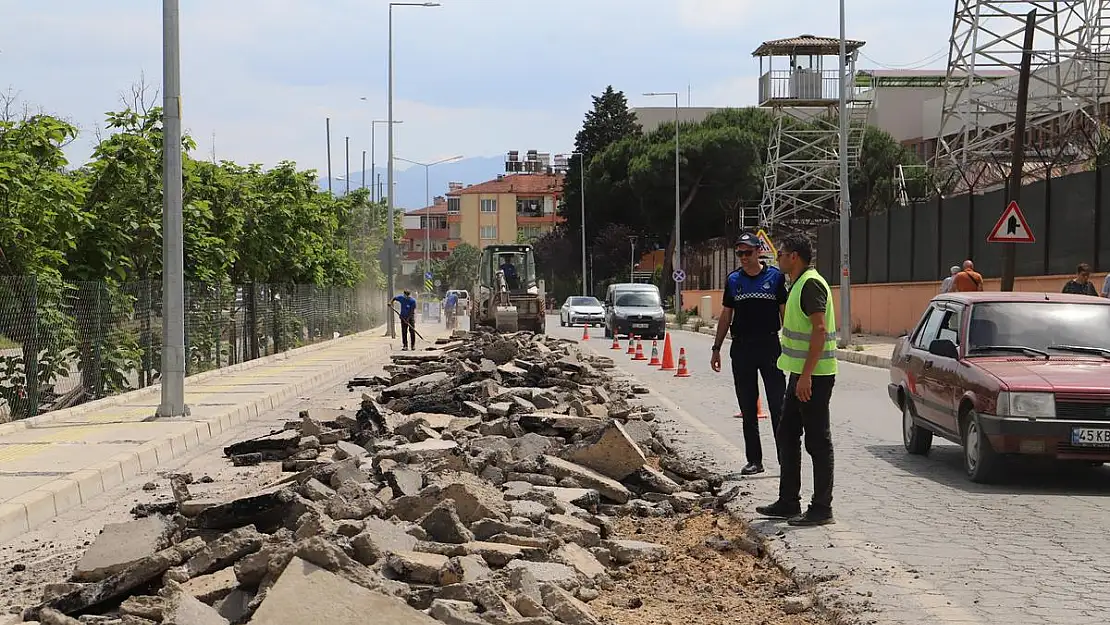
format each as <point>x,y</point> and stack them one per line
<point>800,87</point>
<point>435,234</point>
<point>540,219</point>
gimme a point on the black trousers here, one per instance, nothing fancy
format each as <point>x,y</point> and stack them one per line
<point>408,330</point>
<point>752,358</point>
<point>810,419</point>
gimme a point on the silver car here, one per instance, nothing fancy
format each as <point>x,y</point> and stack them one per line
<point>579,310</point>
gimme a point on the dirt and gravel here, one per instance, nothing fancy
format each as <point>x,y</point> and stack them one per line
<point>496,480</point>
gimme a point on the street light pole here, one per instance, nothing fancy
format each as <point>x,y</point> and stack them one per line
<point>428,203</point>
<point>173,262</point>
<point>373,153</point>
<point>582,196</point>
<point>390,216</point>
<point>677,264</point>
<point>844,329</point>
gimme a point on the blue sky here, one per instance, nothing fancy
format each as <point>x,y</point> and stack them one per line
<point>472,77</point>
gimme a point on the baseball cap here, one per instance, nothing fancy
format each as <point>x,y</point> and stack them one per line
<point>747,238</point>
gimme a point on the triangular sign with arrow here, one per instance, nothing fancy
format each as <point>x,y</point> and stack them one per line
<point>1011,227</point>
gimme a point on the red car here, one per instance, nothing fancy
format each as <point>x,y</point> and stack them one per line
<point>1007,374</point>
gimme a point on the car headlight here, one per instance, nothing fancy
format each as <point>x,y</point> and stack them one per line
<point>1032,405</point>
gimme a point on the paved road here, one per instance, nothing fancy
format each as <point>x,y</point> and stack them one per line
<point>915,542</point>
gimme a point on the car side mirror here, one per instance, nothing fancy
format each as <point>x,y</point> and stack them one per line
<point>944,348</point>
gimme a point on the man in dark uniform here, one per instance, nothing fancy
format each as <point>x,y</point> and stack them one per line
<point>754,297</point>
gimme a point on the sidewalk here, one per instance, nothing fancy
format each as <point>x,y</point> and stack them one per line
<point>62,459</point>
<point>869,350</point>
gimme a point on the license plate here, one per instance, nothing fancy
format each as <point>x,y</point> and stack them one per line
<point>1099,437</point>
<point>639,326</point>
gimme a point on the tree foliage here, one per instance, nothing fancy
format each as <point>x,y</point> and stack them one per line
<point>461,267</point>
<point>81,247</point>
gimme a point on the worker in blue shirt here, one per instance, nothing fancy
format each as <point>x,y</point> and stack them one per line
<point>753,304</point>
<point>408,320</point>
<point>450,306</point>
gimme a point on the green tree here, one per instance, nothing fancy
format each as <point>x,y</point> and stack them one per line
<point>40,214</point>
<point>557,263</point>
<point>460,269</point>
<point>609,121</point>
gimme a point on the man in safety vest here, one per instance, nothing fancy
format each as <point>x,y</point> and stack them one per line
<point>809,358</point>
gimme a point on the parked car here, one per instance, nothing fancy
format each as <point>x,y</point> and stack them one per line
<point>636,310</point>
<point>578,310</point>
<point>1007,374</point>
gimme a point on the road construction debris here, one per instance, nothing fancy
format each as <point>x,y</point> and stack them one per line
<point>480,483</point>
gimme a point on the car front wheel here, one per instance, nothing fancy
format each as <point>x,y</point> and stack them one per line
<point>916,439</point>
<point>981,461</point>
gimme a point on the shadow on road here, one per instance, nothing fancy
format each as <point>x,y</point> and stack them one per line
<point>944,465</point>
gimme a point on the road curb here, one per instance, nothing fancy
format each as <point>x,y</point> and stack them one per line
<point>847,355</point>
<point>115,400</point>
<point>25,512</point>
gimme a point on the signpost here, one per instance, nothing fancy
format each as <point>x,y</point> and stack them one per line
<point>679,276</point>
<point>1011,227</point>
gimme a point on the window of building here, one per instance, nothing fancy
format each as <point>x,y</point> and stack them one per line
<point>488,232</point>
<point>528,233</point>
<point>453,205</point>
<point>489,206</point>
<point>529,206</point>
<point>454,231</point>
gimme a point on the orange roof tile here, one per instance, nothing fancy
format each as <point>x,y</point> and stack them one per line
<point>435,209</point>
<point>520,184</point>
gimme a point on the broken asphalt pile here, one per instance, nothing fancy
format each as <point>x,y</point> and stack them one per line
<point>477,485</point>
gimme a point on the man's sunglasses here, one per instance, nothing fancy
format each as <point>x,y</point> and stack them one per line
<point>745,252</point>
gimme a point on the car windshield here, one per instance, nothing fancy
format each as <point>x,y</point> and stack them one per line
<point>1042,326</point>
<point>639,299</point>
<point>584,301</point>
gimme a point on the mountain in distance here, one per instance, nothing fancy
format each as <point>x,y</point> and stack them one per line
<point>410,182</point>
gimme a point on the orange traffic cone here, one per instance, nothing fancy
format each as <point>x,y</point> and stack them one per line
<point>668,355</point>
<point>585,331</point>
<point>682,371</point>
<point>760,410</point>
<point>631,346</point>
<point>616,344</point>
<point>654,362</point>
<point>639,351</point>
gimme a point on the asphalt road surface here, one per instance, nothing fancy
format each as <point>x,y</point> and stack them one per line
<point>915,541</point>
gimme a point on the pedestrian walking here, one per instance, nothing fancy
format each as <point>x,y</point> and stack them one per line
<point>752,308</point>
<point>809,357</point>
<point>1081,283</point>
<point>946,286</point>
<point>408,320</point>
<point>968,279</point>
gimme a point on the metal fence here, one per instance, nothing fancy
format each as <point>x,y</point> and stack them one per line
<point>1069,216</point>
<point>89,340</point>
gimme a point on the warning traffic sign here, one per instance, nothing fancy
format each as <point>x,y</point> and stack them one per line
<point>1011,227</point>
<point>766,247</point>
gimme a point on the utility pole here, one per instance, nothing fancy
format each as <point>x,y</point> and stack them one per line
<point>631,259</point>
<point>582,196</point>
<point>327,132</point>
<point>844,324</point>
<point>347,163</point>
<point>364,169</point>
<point>173,261</point>
<point>1017,159</point>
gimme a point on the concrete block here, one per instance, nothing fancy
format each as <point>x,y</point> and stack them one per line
<point>306,593</point>
<point>111,474</point>
<point>164,449</point>
<point>611,453</point>
<point>66,493</point>
<point>39,504</point>
<point>89,483</point>
<point>148,457</point>
<point>128,464</point>
<point>13,521</point>
<point>120,545</point>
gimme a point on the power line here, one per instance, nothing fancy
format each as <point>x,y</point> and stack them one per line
<point>932,58</point>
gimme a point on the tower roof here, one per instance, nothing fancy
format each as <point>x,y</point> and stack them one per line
<point>805,44</point>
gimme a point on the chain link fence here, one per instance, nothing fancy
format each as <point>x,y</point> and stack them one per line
<point>88,340</point>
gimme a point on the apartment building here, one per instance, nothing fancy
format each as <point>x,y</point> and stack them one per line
<point>434,219</point>
<point>519,204</point>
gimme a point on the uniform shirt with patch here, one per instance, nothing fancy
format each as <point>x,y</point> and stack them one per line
<point>755,302</point>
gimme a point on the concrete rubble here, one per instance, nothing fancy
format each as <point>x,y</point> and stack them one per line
<point>477,484</point>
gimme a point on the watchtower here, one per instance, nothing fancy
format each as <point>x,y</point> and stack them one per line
<point>799,81</point>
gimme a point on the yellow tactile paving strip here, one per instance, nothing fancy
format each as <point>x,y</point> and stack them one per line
<point>97,447</point>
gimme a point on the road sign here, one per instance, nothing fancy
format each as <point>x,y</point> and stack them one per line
<point>1011,227</point>
<point>766,247</point>
<point>427,286</point>
<point>427,275</point>
<point>439,282</point>
<point>679,275</point>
